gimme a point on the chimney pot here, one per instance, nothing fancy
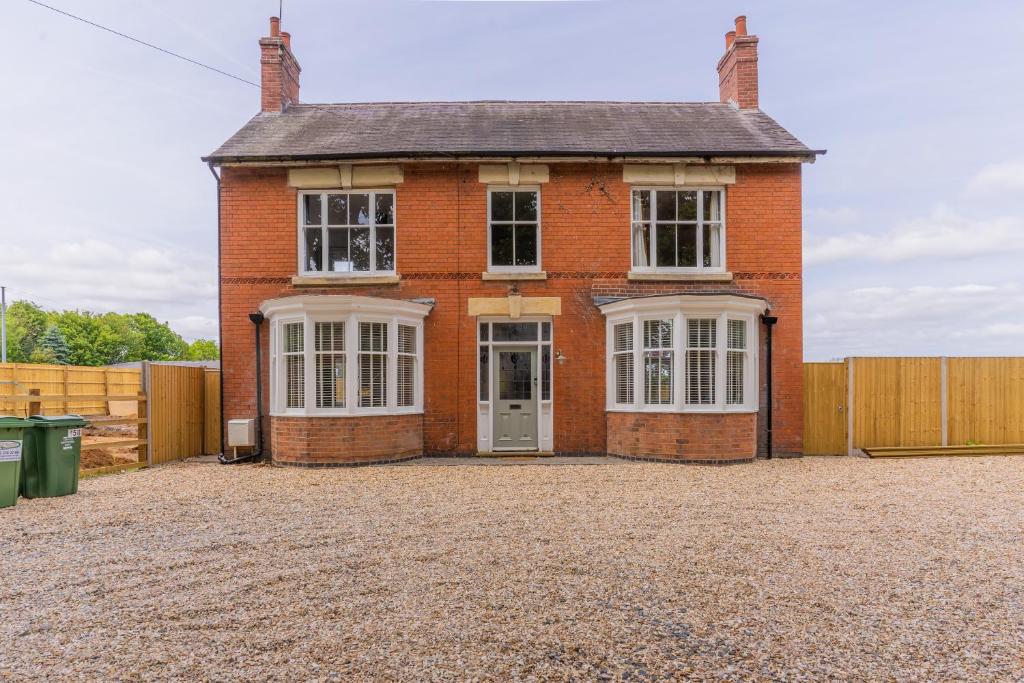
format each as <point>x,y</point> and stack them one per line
<point>741,25</point>
<point>287,37</point>
<point>729,38</point>
<point>737,68</point>
<point>275,27</point>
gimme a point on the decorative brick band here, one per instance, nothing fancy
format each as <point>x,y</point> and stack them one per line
<point>255,280</point>
<point>551,275</point>
<point>766,276</point>
<point>683,437</point>
<point>349,440</point>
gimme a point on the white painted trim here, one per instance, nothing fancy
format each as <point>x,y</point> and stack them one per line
<point>554,159</point>
<point>300,243</point>
<point>639,272</point>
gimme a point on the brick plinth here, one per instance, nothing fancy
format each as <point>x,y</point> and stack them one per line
<point>327,441</point>
<point>683,437</point>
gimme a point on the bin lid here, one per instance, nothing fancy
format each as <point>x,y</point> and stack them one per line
<point>58,420</point>
<point>13,422</point>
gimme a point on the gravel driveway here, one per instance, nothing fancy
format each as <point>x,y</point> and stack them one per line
<point>801,569</point>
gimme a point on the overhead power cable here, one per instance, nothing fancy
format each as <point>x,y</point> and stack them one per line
<point>142,42</point>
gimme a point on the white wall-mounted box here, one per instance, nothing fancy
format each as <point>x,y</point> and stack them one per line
<point>241,433</point>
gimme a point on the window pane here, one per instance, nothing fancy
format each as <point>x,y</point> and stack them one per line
<point>713,206</point>
<point>295,366</point>
<point>314,249</point>
<point>737,334</point>
<point>359,248</point>
<point>501,206</point>
<point>485,373</point>
<point>330,380</point>
<point>658,377</point>
<point>642,244</point>
<point>329,337</point>
<point>385,208</point>
<point>373,337</point>
<point>293,338</point>
<point>515,376</point>
<point>666,255</point>
<point>385,248</point>
<point>686,245</point>
<point>337,250</point>
<point>372,380</point>
<point>700,377</point>
<point>406,381</point>
<point>712,246</point>
<point>641,205</point>
<point>406,339</point>
<point>545,331</point>
<point>624,378</point>
<point>623,337</point>
<point>734,377</point>
<point>501,245</point>
<point>666,205</point>
<point>484,331</point>
<point>311,208</point>
<point>359,209</point>
<point>515,331</point>
<point>657,334</point>
<point>687,202</point>
<point>702,333</point>
<point>545,373</point>
<point>337,209</point>
<point>526,245</point>
<point>526,206</point>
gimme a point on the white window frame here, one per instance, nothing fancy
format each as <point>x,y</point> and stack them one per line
<point>352,310</point>
<point>700,267</point>
<point>491,189</point>
<point>679,309</point>
<point>372,225</point>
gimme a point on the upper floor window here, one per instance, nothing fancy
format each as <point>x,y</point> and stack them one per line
<point>513,229</point>
<point>678,230</point>
<point>347,232</point>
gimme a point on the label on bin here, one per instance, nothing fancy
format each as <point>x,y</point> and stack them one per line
<point>10,451</point>
<point>72,433</point>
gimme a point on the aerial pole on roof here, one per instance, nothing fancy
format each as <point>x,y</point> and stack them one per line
<point>3,324</point>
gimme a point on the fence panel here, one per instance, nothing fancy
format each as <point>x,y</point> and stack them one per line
<point>67,381</point>
<point>211,437</point>
<point>177,406</point>
<point>986,400</point>
<point>897,402</point>
<point>825,411</point>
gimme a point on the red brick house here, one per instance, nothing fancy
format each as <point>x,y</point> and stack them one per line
<point>502,277</point>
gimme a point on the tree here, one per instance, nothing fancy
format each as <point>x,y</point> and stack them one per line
<point>26,324</point>
<point>53,347</point>
<point>203,349</point>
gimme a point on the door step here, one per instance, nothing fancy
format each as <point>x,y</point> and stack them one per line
<point>515,454</point>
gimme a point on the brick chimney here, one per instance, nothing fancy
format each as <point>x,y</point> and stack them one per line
<point>279,70</point>
<point>737,69</point>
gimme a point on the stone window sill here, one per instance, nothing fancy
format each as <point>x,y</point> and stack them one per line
<point>345,280</point>
<point>681,277</point>
<point>514,276</point>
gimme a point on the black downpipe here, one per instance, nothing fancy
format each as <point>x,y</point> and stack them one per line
<point>220,321</point>
<point>257,321</point>
<point>769,321</point>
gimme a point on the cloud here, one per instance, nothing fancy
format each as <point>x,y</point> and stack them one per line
<point>1007,176</point>
<point>963,319</point>
<point>943,234</point>
<point>172,283</point>
<point>840,216</point>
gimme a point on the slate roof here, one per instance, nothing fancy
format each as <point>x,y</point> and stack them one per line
<point>496,128</point>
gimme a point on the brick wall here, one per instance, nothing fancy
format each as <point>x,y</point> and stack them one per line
<point>683,437</point>
<point>346,440</point>
<point>441,252</point>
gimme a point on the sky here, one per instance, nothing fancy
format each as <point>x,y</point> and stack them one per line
<point>913,221</point>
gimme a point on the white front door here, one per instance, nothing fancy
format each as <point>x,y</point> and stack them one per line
<point>515,398</point>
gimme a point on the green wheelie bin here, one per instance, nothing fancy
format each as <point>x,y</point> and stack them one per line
<point>12,446</point>
<point>53,455</point>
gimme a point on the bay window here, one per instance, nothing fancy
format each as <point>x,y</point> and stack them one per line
<point>678,230</point>
<point>347,232</point>
<point>345,355</point>
<point>690,353</point>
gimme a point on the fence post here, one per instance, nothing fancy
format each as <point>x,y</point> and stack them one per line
<point>33,407</point>
<point>143,429</point>
<point>944,388</point>
<point>146,409</point>
<point>849,406</point>
<point>67,387</point>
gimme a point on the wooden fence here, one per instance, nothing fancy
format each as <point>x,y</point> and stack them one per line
<point>864,403</point>
<point>176,408</point>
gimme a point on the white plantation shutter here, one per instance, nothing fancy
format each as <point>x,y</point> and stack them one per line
<point>735,360</point>
<point>295,365</point>
<point>406,388</point>
<point>701,343</point>
<point>329,343</point>
<point>657,362</point>
<point>622,354</point>
<point>373,364</point>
